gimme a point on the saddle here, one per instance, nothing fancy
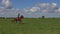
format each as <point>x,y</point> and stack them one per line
<point>18,18</point>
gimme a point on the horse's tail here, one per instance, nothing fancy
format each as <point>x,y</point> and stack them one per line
<point>13,20</point>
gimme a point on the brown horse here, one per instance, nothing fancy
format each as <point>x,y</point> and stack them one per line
<point>18,19</point>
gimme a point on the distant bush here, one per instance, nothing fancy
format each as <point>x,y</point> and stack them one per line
<point>43,17</point>
<point>2,17</point>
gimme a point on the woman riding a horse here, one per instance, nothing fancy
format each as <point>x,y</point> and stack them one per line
<point>19,19</point>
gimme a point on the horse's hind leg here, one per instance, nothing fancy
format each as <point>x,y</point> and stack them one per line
<point>13,20</point>
<point>20,21</point>
<point>16,21</point>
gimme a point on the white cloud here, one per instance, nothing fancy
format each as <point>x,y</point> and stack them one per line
<point>42,7</point>
<point>3,1</point>
<point>34,9</point>
<point>2,7</point>
<point>53,5</point>
<point>30,10</point>
<point>45,11</point>
<point>27,9</point>
<point>13,9</point>
<point>7,4</point>
<point>58,10</point>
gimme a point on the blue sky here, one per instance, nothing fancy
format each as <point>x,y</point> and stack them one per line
<point>29,3</point>
<point>30,8</point>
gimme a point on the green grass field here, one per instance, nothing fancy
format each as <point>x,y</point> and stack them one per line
<point>31,26</point>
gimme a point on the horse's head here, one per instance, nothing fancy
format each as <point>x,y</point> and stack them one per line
<point>22,16</point>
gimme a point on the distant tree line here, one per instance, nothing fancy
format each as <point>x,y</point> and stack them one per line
<point>2,17</point>
<point>15,17</point>
<point>6,17</point>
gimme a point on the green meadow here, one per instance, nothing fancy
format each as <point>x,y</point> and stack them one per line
<point>30,26</point>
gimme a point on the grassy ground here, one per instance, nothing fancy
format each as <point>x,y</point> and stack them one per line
<point>31,26</point>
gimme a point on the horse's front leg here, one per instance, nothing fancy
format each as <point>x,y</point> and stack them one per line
<point>20,21</point>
